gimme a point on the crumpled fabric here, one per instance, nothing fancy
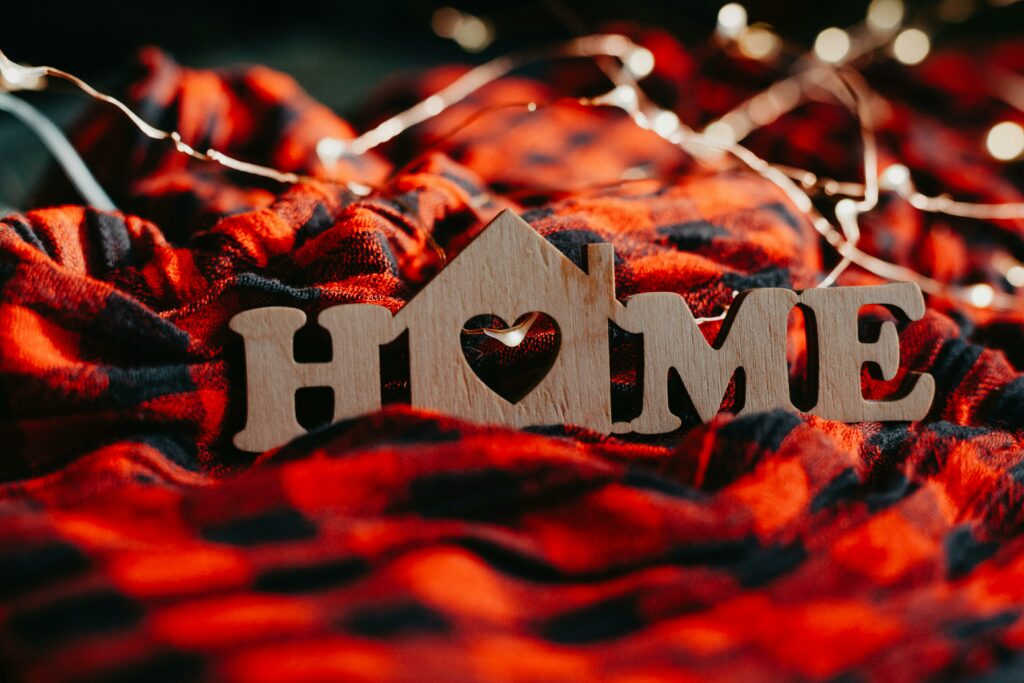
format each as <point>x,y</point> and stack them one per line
<point>136,543</point>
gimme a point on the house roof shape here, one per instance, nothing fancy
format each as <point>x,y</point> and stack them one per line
<point>505,252</point>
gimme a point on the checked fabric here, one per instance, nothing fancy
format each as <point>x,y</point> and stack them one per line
<point>136,544</point>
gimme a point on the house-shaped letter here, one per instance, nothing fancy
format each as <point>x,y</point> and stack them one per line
<point>510,270</point>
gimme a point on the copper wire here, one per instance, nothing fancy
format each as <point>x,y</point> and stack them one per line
<point>15,76</point>
<point>841,81</point>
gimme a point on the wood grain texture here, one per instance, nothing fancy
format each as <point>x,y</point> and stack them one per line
<point>840,355</point>
<point>510,270</point>
<point>273,376</point>
<point>752,341</point>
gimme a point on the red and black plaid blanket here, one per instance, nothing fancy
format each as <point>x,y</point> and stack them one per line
<point>137,544</point>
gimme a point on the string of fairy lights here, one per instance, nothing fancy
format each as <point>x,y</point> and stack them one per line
<point>828,68</point>
<point>883,29</point>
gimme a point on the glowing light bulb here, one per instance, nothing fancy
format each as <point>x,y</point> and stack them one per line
<point>330,149</point>
<point>512,336</point>
<point>472,33</point>
<point>885,15</point>
<point>665,123</point>
<point>758,43</point>
<point>444,21</point>
<point>359,189</point>
<point>1015,275</point>
<point>721,132</point>
<point>763,109</point>
<point>896,178</point>
<point>732,20</point>
<point>846,208</point>
<point>981,295</point>
<point>832,45</point>
<point>433,105</point>
<point>1005,141</point>
<point>911,46</point>
<point>622,96</point>
<point>14,76</point>
<point>640,62</point>
<point>390,128</point>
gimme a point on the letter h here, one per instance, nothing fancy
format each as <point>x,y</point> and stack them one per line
<point>273,376</point>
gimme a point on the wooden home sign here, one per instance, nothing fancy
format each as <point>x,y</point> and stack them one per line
<point>510,270</point>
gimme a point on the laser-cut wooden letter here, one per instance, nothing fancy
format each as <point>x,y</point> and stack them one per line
<point>273,376</point>
<point>753,338</point>
<point>510,270</point>
<point>841,355</point>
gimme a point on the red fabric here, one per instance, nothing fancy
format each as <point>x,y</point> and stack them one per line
<point>137,544</point>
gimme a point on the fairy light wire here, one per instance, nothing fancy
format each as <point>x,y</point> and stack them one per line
<point>838,79</point>
<point>14,76</point>
<point>51,136</point>
<point>330,150</point>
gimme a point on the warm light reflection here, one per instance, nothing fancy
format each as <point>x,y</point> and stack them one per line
<point>721,132</point>
<point>758,43</point>
<point>1005,141</point>
<point>640,62</point>
<point>732,20</point>
<point>911,46</point>
<point>885,15</point>
<point>1015,275</point>
<point>981,295</point>
<point>472,33</point>
<point>832,45</point>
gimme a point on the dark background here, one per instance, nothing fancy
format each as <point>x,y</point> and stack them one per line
<point>93,37</point>
<point>340,50</point>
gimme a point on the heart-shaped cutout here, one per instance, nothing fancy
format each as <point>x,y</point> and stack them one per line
<point>511,360</point>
